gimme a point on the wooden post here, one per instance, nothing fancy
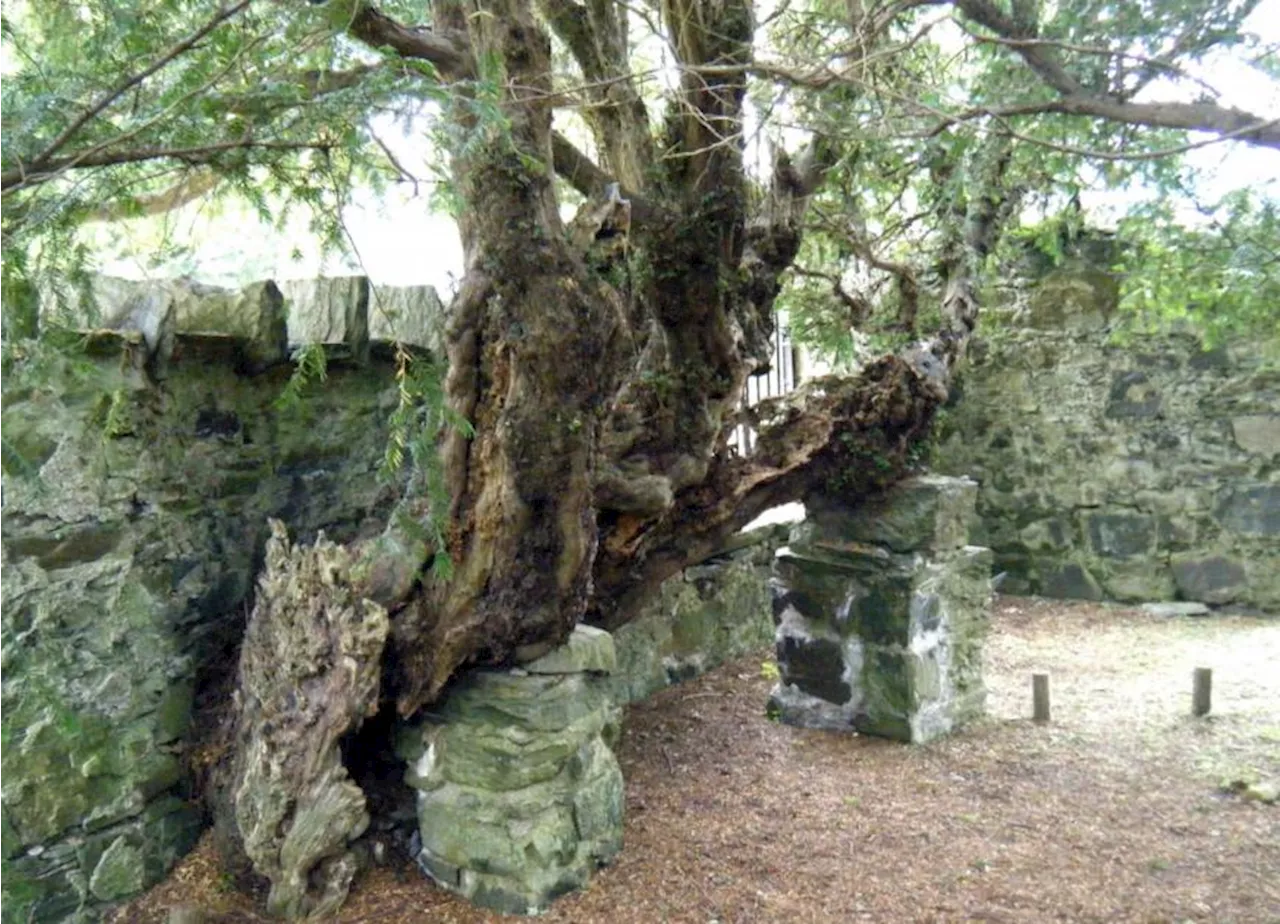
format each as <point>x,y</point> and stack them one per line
<point>1040,697</point>
<point>1201,691</point>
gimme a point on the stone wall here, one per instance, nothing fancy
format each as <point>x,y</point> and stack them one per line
<point>139,476</point>
<point>712,613</point>
<point>140,470</point>
<point>1142,470</point>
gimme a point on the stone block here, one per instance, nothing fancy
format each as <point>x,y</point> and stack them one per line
<point>587,650</point>
<point>520,795</point>
<point>412,315</point>
<point>1252,510</point>
<point>1136,581</point>
<point>889,694</point>
<point>1214,579</point>
<point>1073,298</point>
<point>924,512</point>
<point>1257,433</point>
<point>824,581</point>
<point>119,873</point>
<point>254,315</point>
<point>1174,609</point>
<point>1120,535</point>
<point>1133,395</point>
<point>815,666</point>
<point>1051,534</point>
<point>1069,581</point>
<point>333,311</point>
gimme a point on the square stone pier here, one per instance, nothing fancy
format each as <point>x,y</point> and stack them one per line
<point>881,611</point>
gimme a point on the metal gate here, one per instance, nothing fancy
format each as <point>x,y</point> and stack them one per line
<point>779,379</point>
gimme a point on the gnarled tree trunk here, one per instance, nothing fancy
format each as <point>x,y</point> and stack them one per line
<point>602,363</point>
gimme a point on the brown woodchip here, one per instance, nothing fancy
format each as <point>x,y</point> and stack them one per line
<point>1113,812</point>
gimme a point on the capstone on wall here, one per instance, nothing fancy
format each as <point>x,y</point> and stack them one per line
<point>1134,469</point>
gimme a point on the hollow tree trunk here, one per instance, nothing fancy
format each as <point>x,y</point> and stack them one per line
<point>603,372</point>
<point>601,364</point>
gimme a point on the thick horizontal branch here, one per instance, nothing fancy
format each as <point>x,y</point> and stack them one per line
<point>1155,66</point>
<point>1076,99</point>
<point>584,175</point>
<point>579,170</point>
<point>851,436</point>
<point>1235,124</point>
<point>24,177</point>
<point>450,55</point>
<point>191,186</point>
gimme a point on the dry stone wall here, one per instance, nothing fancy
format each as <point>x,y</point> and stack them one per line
<point>1136,471</point>
<point>140,472</point>
<point>139,476</point>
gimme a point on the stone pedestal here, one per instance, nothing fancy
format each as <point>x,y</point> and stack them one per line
<point>520,796</point>
<point>881,613</point>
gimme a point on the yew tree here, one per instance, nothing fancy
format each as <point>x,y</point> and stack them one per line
<point>635,185</point>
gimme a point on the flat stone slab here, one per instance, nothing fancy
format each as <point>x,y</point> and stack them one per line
<point>1170,610</point>
<point>924,512</point>
<point>588,650</point>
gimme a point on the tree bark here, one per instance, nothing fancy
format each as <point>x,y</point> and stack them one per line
<point>523,534</point>
<point>602,363</point>
<point>310,672</point>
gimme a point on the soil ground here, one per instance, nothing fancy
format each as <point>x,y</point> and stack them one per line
<point>1113,812</point>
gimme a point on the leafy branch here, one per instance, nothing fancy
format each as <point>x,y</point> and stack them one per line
<point>420,416</point>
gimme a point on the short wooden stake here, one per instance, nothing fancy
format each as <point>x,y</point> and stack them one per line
<point>1201,691</point>
<point>1040,697</point>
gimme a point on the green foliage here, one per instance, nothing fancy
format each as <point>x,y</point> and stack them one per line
<point>1219,271</point>
<point>919,157</point>
<point>310,366</point>
<point>420,417</point>
<point>112,414</point>
<point>253,102</point>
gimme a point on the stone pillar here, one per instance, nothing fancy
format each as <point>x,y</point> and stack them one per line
<point>519,794</point>
<point>881,612</point>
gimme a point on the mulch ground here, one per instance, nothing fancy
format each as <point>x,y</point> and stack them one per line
<point>1113,812</point>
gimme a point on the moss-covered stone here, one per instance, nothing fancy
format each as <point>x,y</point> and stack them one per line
<point>924,512</point>
<point>698,620</point>
<point>520,796</point>
<point>885,642</point>
<point>133,523</point>
<point>119,872</point>
<point>1112,466</point>
<point>587,650</point>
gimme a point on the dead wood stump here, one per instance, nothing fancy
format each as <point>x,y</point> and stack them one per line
<point>309,674</point>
